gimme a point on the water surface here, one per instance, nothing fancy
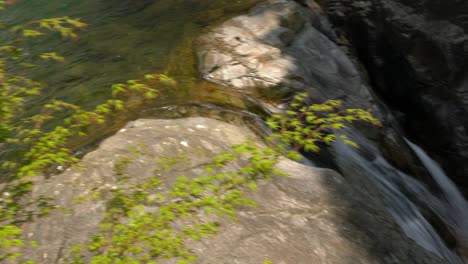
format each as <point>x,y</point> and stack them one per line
<point>125,40</point>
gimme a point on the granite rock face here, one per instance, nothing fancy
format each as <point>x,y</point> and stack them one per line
<point>311,216</point>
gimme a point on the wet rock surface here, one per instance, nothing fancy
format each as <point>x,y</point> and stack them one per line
<point>416,53</point>
<point>311,216</point>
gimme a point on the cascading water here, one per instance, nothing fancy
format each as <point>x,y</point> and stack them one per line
<point>450,203</point>
<point>409,200</point>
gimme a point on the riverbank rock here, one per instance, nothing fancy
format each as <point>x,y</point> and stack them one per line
<point>311,216</point>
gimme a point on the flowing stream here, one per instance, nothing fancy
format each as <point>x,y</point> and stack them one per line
<point>410,202</point>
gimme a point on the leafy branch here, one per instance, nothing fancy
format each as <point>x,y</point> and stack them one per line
<point>65,26</point>
<point>305,127</point>
<point>133,233</point>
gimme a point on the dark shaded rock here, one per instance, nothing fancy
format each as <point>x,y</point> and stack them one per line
<point>416,53</point>
<point>312,216</point>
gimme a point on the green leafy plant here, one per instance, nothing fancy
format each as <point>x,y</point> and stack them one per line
<point>305,127</point>
<point>41,142</point>
<point>15,91</point>
<point>48,148</point>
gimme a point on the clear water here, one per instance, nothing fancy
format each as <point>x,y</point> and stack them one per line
<point>125,40</point>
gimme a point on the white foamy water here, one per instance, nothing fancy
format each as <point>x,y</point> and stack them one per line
<point>407,199</point>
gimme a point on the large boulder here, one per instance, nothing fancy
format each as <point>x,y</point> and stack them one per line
<point>311,216</point>
<point>416,53</point>
<point>278,48</point>
<point>285,46</point>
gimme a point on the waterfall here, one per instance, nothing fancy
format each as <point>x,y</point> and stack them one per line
<point>451,204</point>
<point>405,198</point>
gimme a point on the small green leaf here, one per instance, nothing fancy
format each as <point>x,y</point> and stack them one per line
<point>32,33</point>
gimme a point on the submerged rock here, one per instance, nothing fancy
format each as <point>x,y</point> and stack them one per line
<point>311,216</point>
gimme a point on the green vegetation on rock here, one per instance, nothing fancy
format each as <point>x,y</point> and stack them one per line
<point>41,141</point>
<point>144,224</point>
<point>150,220</point>
<point>305,127</point>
